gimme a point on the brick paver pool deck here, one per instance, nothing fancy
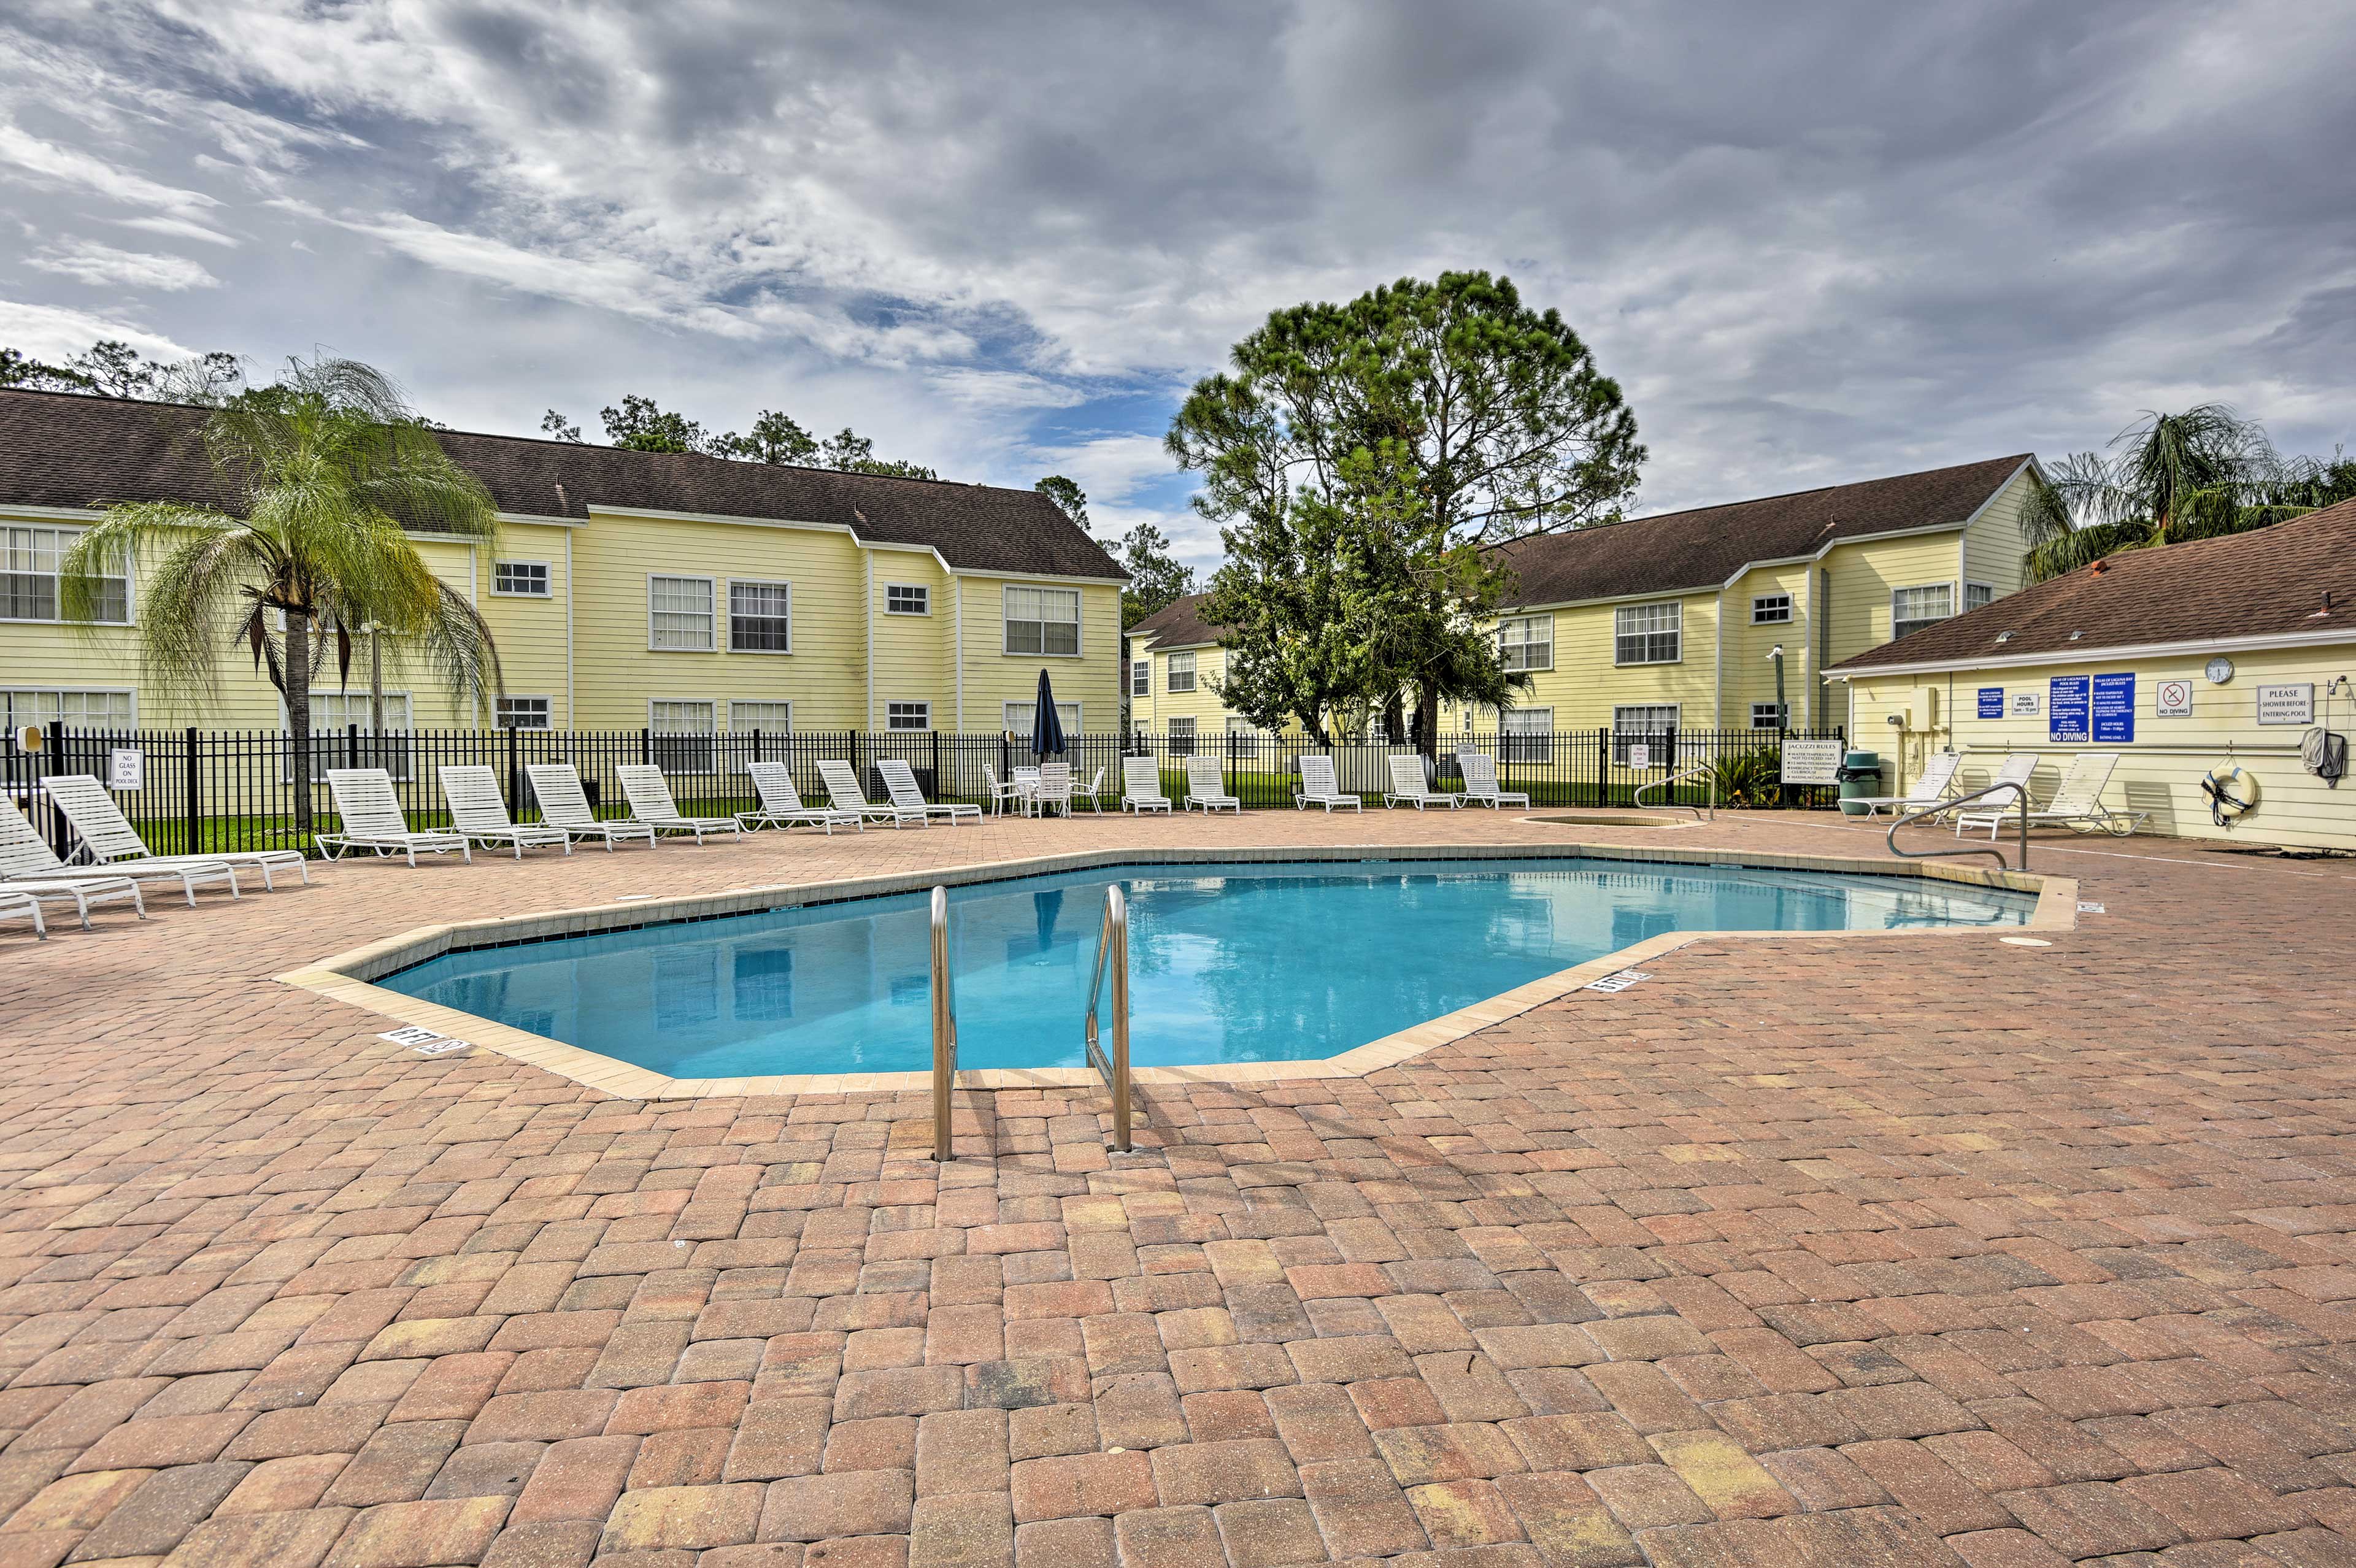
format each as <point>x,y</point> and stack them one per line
<point>1805,1251</point>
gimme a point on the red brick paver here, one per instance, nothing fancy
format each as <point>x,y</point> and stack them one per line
<point>1936,1250</point>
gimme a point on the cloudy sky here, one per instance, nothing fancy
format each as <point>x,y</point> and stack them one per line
<point>1814,242</point>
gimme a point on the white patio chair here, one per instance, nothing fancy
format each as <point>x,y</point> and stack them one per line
<point>1319,787</point>
<point>842,789</point>
<point>1937,781</point>
<point>1479,771</point>
<point>1407,785</point>
<point>1001,795</point>
<point>649,793</point>
<point>25,858</point>
<point>2016,769</point>
<point>1207,787</point>
<point>781,803</point>
<point>479,812</point>
<point>900,784</point>
<point>1094,794</point>
<point>25,904</point>
<point>110,839</point>
<point>1140,786</point>
<point>1054,789</point>
<point>565,805</point>
<point>2077,800</point>
<point>371,819</point>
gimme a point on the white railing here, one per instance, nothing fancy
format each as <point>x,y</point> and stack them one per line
<point>944,1033</point>
<point>1112,952</point>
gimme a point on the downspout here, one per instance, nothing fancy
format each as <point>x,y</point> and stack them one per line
<point>956,631</point>
<point>1717,676</point>
<point>572,715</point>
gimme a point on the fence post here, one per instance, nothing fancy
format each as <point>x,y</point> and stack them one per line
<point>938,792</point>
<point>53,762</point>
<point>190,781</point>
<point>647,744</point>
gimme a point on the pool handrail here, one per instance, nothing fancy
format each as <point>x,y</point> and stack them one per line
<point>1112,946</point>
<point>2021,793</point>
<point>1675,779</point>
<point>945,1032</point>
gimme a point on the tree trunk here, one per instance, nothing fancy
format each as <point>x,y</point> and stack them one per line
<point>1426,721</point>
<point>298,718</point>
<point>1394,719</point>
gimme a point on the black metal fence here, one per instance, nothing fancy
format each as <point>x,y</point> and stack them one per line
<point>196,790</point>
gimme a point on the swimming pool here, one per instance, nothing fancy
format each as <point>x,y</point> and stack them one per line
<point>1229,962</point>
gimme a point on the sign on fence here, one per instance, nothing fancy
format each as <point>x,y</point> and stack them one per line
<point>126,769</point>
<point>1811,762</point>
<point>1640,754</point>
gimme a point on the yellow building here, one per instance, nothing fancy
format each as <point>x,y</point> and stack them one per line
<point>2225,651</point>
<point>628,590</point>
<point>1669,621</point>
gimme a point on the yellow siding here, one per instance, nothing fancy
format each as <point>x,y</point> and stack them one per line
<point>1993,544</point>
<point>530,632</point>
<point>1750,673</point>
<point>994,677</point>
<point>2159,771</point>
<point>1585,684</point>
<point>912,652</point>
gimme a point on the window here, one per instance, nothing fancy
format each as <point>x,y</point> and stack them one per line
<point>1141,678</point>
<point>907,716</point>
<point>1978,595</point>
<point>678,614</point>
<point>1527,734</point>
<point>770,718</point>
<point>1652,725</point>
<point>1765,716</point>
<point>907,599</point>
<point>333,716</point>
<point>523,713</point>
<point>1527,643</point>
<point>1242,739</point>
<point>1648,634</point>
<point>682,739</point>
<point>76,709</point>
<point>520,579</point>
<point>1911,609</point>
<point>1770,610</point>
<point>1020,716</point>
<point>1182,736</point>
<point>760,618</point>
<point>1180,676</point>
<point>1043,621</point>
<point>29,577</point>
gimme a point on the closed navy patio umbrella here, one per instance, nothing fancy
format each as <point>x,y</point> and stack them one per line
<point>1046,728</point>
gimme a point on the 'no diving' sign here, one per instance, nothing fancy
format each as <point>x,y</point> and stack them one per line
<point>2172,699</point>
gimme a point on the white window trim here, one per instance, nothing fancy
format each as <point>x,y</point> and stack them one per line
<point>1955,602</point>
<point>1676,604</point>
<point>1169,669</point>
<point>130,596</point>
<point>891,728</point>
<point>735,582</point>
<point>925,589</point>
<point>1770,708</point>
<point>548,577</point>
<point>1783,620</point>
<point>734,702</point>
<point>1527,620</point>
<point>131,692</point>
<point>1965,608</point>
<point>706,701</point>
<point>1623,738</point>
<point>1075,725</point>
<point>1079,621</point>
<point>710,583</point>
<point>524,696</point>
<point>1146,665</point>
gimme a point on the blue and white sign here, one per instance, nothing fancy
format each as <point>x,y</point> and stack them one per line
<point>2069,710</point>
<point>1991,702</point>
<point>2113,709</point>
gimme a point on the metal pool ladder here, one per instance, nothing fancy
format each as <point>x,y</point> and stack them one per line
<point>2021,793</point>
<point>1112,943</point>
<point>945,1041</point>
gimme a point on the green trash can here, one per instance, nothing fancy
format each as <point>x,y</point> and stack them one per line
<point>1860,780</point>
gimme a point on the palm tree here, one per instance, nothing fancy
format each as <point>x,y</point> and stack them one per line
<point>331,467</point>
<point>2167,478</point>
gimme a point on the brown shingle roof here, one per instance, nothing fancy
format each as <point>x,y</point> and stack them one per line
<point>60,449</point>
<point>2267,582</point>
<point>1703,548</point>
<point>1178,624</point>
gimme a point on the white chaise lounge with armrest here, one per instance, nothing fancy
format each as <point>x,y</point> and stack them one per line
<point>1206,788</point>
<point>900,785</point>
<point>25,858</point>
<point>781,803</point>
<point>1479,771</point>
<point>2077,802</point>
<point>1140,786</point>
<point>27,897</point>
<point>649,793</point>
<point>110,839</point>
<point>1935,784</point>
<point>1319,787</point>
<point>2016,769</point>
<point>1410,787</point>
<point>24,906</point>
<point>479,813</point>
<point>565,805</point>
<point>842,789</point>
<point>371,819</point>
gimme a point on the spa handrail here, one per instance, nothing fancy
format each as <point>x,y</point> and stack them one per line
<point>945,1032</point>
<point>1675,779</point>
<point>1112,952</point>
<point>2021,791</point>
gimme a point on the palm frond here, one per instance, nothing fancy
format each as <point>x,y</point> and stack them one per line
<point>2080,547</point>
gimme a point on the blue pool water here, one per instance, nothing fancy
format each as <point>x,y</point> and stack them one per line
<point>1227,962</point>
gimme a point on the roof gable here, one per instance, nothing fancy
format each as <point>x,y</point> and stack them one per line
<point>1178,624</point>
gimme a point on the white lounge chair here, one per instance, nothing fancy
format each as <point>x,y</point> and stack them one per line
<point>2077,800</point>
<point>1140,786</point>
<point>565,805</point>
<point>25,858</point>
<point>1479,771</point>
<point>1094,794</point>
<point>1003,795</point>
<point>842,789</point>
<point>372,820</point>
<point>900,784</point>
<point>25,904</point>
<point>649,793</point>
<point>1319,787</point>
<point>1409,786</point>
<point>1207,787</point>
<point>110,839</point>
<point>479,812</point>
<point>781,803</point>
<point>1937,781</point>
<point>2016,769</point>
<point>81,892</point>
